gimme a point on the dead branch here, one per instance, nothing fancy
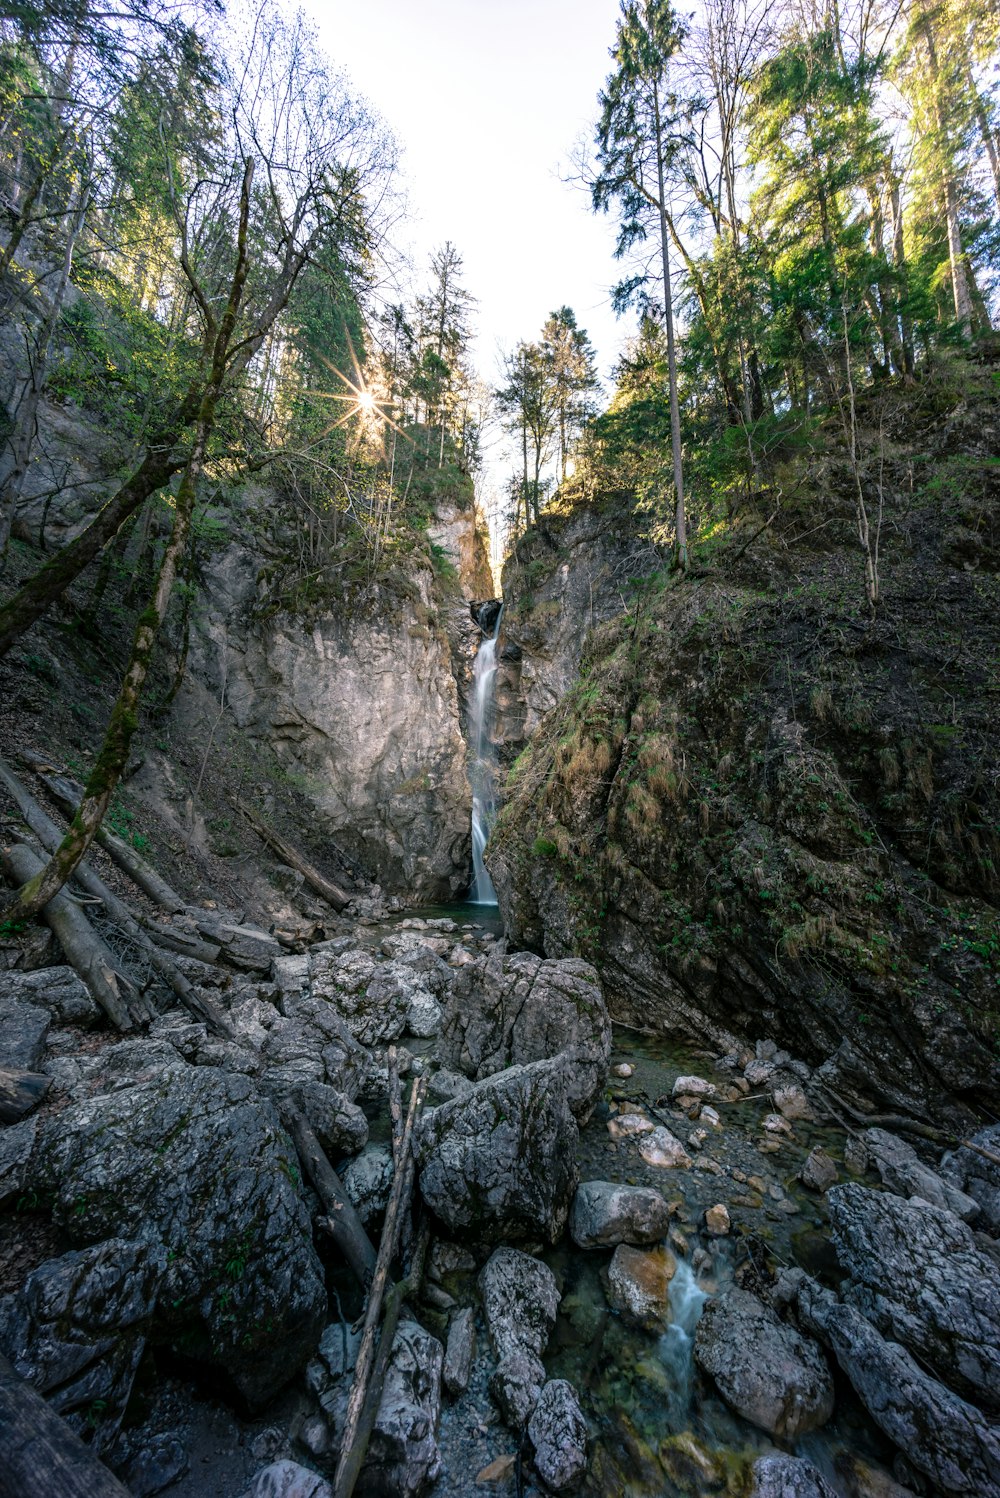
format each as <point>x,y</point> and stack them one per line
<point>342,1222</point>
<point>318,882</point>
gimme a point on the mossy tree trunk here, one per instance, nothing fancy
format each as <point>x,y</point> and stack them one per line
<point>111,760</point>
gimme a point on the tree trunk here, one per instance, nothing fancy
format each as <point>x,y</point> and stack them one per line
<point>680,517</point>
<point>20,1092</point>
<point>40,1456</point>
<point>328,891</point>
<point>342,1221</point>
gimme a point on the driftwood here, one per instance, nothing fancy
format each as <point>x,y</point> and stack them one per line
<point>84,949</point>
<point>40,1457</point>
<point>352,1447</point>
<point>67,793</point>
<point>49,836</point>
<point>182,943</point>
<point>342,1222</point>
<point>20,1091</point>
<point>325,888</point>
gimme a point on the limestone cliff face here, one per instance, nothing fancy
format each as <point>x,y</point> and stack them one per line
<point>759,812</point>
<point>360,707</point>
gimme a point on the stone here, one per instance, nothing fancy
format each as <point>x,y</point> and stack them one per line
<point>403,1456</point>
<point>460,1352</point>
<point>943,1436</point>
<point>604,1214</point>
<point>623,1069</point>
<point>77,1328</point>
<point>717,1221</point>
<point>818,1172</point>
<point>17,1141</point>
<point>775,1123</point>
<point>446,1084</point>
<point>693,1087</point>
<point>903,1171</point>
<point>664,1149</point>
<point>376,1013</point>
<point>516,1386</point>
<point>759,1073</point>
<point>520,1300</point>
<point>638,1284</point>
<point>23,1031</point>
<point>367,1179</point>
<point>339,1125</point>
<point>514,1008</point>
<point>917,1275</point>
<point>155,1462</point>
<point>710,1117</point>
<point>500,1163</point>
<point>792,1103</point>
<point>630,1125</point>
<point>558,1432</point>
<point>781,1476</point>
<point>58,990</point>
<point>423,1014</point>
<point>978,1176</point>
<point>197,1158</point>
<point>287,1480</point>
<point>766,1370</point>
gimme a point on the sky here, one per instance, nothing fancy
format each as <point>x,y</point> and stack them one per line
<point>487,98</point>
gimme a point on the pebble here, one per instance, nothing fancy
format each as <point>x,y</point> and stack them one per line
<point>717,1220</point>
<point>630,1125</point>
<point>623,1069</point>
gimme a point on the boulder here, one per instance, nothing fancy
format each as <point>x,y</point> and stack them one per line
<point>693,1087</point>
<point>638,1284</point>
<point>500,1163</point>
<point>792,1103</point>
<point>287,1480</point>
<point>460,1352</point>
<point>918,1276</point>
<point>403,1456</point>
<point>605,1213</point>
<point>77,1328</point>
<point>23,1030</point>
<point>628,1125</point>
<point>150,1462</point>
<point>520,1300</point>
<point>367,1179</point>
<point>423,1014</point>
<point>943,1436</point>
<point>818,1172</point>
<point>781,1476</point>
<point>515,1008</point>
<point>978,1176</point>
<point>558,1432</point>
<point>17,1142</point>
<point>339,1125</point>
<point>662,1148</point>
<point>313,1042</point>
<point>717,1220</point>
<point>516,1386</point>
<point>196,1158</point>
<point>903,1171</point>
<point>57,990</point>
<point>770,1374</point>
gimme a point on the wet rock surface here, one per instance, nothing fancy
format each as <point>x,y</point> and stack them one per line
<point>765,1369</point>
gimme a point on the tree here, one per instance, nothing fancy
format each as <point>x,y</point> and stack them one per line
<point>637,143</point>
<point>528,401</point>
<point>570,359</point>
<point>443,316</point>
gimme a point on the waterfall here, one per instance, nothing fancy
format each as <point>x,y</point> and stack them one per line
<point>483,765</point>
<point>686,1299</point>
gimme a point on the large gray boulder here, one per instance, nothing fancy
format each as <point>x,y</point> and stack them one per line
<point>500,1162</point>
<point>978,1175</point>
<point>558,1432</point>
<point>770,1374</point>
<point>520,1299</point>
<point>17,1143</point>
<point>197,1160</point>
<point>23,1030</point>
<point>58,990</point>
<point>287,1480</point>
<point>605,1214</point>
<point>77,1328</point>
<point>918,1276</point>
<point>312,1042</point>
<point>781,1476</point>
<point>403,1456</point>
<point>513,1008</point>
<point>942,1435</point>
<point>903,1171</point>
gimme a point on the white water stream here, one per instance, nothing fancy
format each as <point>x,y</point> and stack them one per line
<point>483,763</point>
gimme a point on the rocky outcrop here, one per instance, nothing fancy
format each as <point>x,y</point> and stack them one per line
<point>499,1164</point>
<point>945,1437</point>
<point>765,1369</point>
<point>510,1009</point>
<point>197,1161</point>
<point>917,1275</point>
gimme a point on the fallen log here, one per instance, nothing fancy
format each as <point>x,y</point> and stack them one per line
<point>67,793</point>
<point>342,1222</point>
<point>183,944</point>
<point>20,1092</point>
<point>84,949</point>
<point>351,1452</point>
<point>325,888</point>
<point>40,1456</point>
<point>49,836</point>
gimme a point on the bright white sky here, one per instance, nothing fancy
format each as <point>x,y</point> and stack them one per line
<point>487,98</point>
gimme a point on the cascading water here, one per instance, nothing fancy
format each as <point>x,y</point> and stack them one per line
<point>483,765</point>
<point>686,1299</point>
